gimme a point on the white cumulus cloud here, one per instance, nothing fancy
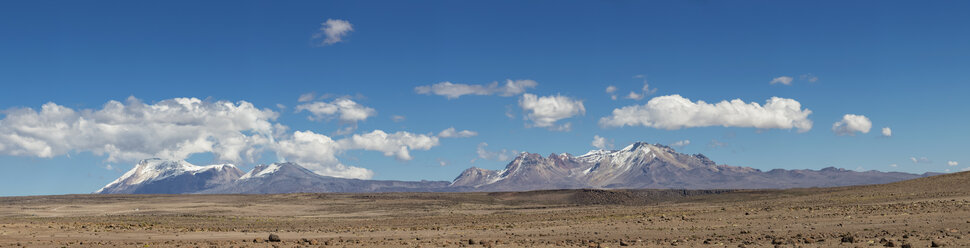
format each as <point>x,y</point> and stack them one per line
<point>851,124</point>
<point>634,96</point>
<point>332,31</point>
<point>306,97</point>
<point>133,130</point>
<point>644,91</point>
<point>343,109</point>
<point>920,160</point>
<point>601,142</point>
<point>180,127</point>
<point>681,143</point>
<point>545,111</point>
<point>452,133</point>
<point>676,112</point>
<point>453,90</point>
<point>396,144</point>
<point>318,153</point>
<point>786,80</point>
<point>887,132</point>
<point>610,89</point>
<point>952,163</point>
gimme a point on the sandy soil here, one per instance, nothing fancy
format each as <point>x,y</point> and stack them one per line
<point>919,213</point>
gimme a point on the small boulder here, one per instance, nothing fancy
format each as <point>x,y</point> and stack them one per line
<point>274,238</point>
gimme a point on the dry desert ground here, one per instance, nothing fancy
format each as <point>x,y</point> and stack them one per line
<point>933,211</point>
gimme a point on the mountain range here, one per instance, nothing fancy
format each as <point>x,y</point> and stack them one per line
<point>637,166</point>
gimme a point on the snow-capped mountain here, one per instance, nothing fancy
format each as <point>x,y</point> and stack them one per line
<point>157,176</point>
<point>639,165</point>
<point>643,165</point>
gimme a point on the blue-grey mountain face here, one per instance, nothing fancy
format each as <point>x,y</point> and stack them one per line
<point>292,178</point>
<point>639,165</point>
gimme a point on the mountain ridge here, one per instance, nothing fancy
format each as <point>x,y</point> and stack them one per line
<point>637,166</point>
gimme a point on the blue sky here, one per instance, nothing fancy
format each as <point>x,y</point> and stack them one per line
<point>902,65</point>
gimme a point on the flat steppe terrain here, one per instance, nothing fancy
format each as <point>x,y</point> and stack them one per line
<point>917,212</point>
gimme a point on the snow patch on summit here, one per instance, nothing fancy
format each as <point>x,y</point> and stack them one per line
<point>269,169</point>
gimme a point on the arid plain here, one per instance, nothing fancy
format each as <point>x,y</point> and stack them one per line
<point>925,212</point>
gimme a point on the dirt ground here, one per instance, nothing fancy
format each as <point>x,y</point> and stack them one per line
<point>919,213</point>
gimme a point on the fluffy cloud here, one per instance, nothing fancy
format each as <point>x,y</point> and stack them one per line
<point>611,90</point>
<point>644,91</point>
<point>500,155</point>
<point>453,91</point>
<point>452,133</point>
<point>893,165</point>
<point>547,110</point>
<point>920,160</point>
<point>133,130</point>
<point>681,143</point>
<point>676,112</point>
<point>887,132</point>
<point>601,143</point>
<point>343,109</point>
<point>786,80</point>
<point>391,144</point>
<point>306,97</point>
<point>332,31</point>
<point>178,128</point>
<point>952,163</point>
<point>851,124</point>
<point>634,96</point>
<point>318,153</point>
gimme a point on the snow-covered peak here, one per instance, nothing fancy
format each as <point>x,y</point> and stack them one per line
<point>262,171</point>
<point>637,146</point>
<point>156,169</point>
<point>595,153</point>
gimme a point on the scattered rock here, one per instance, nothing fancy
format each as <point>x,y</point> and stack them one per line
<point>848,239</point>
<point>937,243</point>
<point>624,243</point>
<point>274,238</point>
